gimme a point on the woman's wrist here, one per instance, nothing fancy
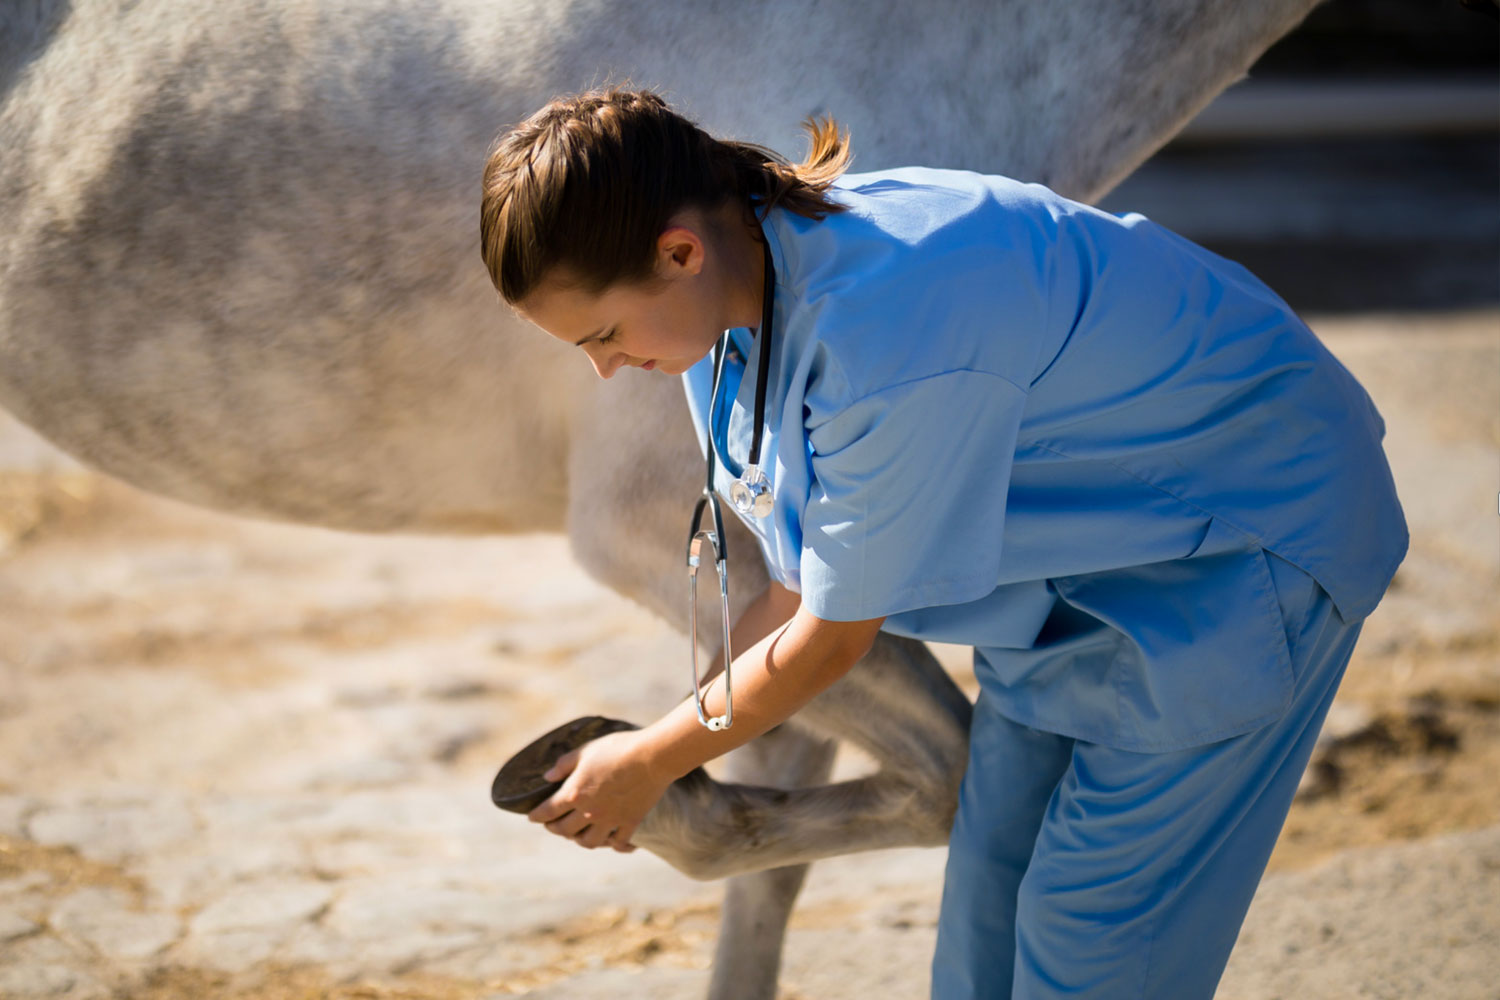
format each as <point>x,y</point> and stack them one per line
<point>674,744</point>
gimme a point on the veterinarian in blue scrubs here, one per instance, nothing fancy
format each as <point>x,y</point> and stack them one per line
<point>1126,473</point>
<point>1120,468</point>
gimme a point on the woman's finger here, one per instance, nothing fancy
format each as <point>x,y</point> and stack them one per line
<point>569,826</point>
<point>593,836</point>
<point>562,767</point>
<point>620,839</point>
<point>553,809</point>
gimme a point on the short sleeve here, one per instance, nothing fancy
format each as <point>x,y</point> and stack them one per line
<point>906,503</point>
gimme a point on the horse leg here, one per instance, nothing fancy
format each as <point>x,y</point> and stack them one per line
<point>757,905</point>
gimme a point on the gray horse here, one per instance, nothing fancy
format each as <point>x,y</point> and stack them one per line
<point>239,267</point>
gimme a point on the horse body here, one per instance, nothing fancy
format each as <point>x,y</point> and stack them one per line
<point>239,262</point>
<point>239,267</point>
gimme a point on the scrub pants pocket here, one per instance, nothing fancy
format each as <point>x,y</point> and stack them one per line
<point>1080,870</point>
<point>1298,594</point>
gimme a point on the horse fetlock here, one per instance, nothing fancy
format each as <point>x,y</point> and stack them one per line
<point>687,828</point>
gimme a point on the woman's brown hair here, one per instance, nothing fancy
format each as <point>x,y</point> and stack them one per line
<point>589,182</point>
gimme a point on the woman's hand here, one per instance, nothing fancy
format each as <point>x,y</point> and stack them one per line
<point>609,789</point>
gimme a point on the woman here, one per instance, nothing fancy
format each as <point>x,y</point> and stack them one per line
<point>1114,463</point>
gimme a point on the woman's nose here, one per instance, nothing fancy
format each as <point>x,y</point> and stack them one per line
<point>606,364</point>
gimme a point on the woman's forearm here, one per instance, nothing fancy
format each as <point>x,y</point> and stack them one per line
<point>782,671</point>
<point>770,610</point>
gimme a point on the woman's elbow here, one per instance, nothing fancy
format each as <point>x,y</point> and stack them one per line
<point>844,642</point>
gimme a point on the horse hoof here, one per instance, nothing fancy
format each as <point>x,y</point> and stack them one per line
<point>519,786</point>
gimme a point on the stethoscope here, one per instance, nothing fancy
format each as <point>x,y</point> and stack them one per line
<point>750,493</point>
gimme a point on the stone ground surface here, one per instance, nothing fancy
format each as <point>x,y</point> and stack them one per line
<point>245,760</point>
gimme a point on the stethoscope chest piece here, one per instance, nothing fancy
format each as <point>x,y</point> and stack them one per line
<point>751,493</point>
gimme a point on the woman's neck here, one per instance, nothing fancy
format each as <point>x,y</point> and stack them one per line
<point>744,276</point>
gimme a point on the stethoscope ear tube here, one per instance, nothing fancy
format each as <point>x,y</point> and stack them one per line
<point>767,318</point>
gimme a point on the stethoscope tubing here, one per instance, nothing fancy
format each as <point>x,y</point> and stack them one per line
<point>708,501</point>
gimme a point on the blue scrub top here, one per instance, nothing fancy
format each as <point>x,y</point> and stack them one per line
<point>1000,418</point>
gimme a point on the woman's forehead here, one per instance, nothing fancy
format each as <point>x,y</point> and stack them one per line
<point>571,311</point>
<point>560,309</point>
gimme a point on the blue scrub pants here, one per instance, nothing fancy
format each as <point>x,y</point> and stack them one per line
<point>1077,870</point>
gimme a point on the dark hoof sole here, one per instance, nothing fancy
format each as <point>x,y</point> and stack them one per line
<point>520,787</point>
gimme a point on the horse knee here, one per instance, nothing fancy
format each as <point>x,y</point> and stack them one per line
<point>933,809</point>
<point>933,823</point>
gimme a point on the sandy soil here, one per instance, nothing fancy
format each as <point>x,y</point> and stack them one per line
<point>247,760</point>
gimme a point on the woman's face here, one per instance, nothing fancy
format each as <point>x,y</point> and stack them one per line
<point>668,325</point>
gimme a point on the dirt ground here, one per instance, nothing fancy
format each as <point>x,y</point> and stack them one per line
<point>247,760</point>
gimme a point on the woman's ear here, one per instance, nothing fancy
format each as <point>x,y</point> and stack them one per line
<point>680,248</point>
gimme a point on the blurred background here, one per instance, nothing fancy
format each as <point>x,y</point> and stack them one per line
<point>1358,166</point>
<point>250,761</point>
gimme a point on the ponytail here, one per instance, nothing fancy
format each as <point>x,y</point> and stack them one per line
<point>768,178</point>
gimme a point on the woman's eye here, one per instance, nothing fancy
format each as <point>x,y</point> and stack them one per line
<point>608,336</point>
